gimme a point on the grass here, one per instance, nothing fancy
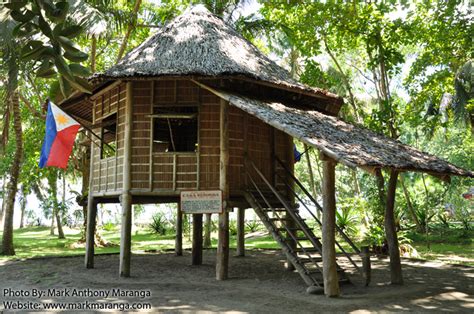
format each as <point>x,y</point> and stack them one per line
<point>454,247</point>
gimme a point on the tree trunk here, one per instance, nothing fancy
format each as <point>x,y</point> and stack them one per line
<point>53,183</point>
<point>413,215</point>
<point>7,241</point>
<point>22,206</point>
<point>131,26</point>
<point>345,80</point>
<point>391,232</point>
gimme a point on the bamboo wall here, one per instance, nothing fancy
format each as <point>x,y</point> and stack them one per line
<point>168,172</point>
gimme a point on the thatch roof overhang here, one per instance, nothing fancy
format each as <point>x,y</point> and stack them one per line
<point>200,44</point>
<point>351,145</point>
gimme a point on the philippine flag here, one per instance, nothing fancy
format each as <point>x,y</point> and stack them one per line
<point>61,132</point>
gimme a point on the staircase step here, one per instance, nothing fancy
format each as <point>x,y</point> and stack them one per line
<point>306,249</point>
<point>296,238</point>
<point>274,209</point>
<point>304,260</point>
<point>291,229</point>
<point>281,219</point>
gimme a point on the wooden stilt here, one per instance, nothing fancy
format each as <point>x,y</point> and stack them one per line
<point>391,232</point>
<point>366,266</point>
<point>178,247</point>
<point>90,232</point>
<point>197,240</point>
<point>290,222</point>
<point>331,282</point>
<point>91,217</point>
<point>241,231</point>
<point>126,198</point>
<point>126,235</point>
<point>207,232</point>
<point>222,264</point>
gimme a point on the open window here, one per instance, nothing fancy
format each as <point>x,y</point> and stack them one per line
<point>175,130</point>
<point>109,136</point>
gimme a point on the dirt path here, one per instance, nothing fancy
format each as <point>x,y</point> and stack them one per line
<point>258,284</point>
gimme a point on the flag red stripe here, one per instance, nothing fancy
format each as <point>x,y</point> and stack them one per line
<point>62,147</point>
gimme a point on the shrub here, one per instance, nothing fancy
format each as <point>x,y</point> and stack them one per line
<point>109,226</point>
<point>159,224</point>
<point>252,226</point>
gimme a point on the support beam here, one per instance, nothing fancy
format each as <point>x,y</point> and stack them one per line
<point>197,240</point>
<point>240,231</point>
<point>178,245</point>
<point>207,231</point>
<point>90,232</point>
<point>331,282</point>
<point>290,222</point>
<point>126,197</point>
<point>222,264</point>
<point>91,215</point>
<point>391,232</point>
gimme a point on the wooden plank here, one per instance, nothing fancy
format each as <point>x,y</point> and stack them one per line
<point>126,239</point>
<point>222,265</point>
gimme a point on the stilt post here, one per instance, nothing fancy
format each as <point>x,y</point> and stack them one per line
<point>126,197</point>
<point>222,264</point>
<point>391,232</point>
<point>178,246</point>
<point>241,231</point>
<point>197,240</point>
<point>90,232</point>
<point>331,282</point>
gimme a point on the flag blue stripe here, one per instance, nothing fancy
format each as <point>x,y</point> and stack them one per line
<point>48,138</point>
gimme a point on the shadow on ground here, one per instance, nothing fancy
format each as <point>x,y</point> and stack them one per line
<point>257,283</point>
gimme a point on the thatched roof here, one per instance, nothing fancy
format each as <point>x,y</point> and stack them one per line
<point>351,145</point>
<point>198,43</point>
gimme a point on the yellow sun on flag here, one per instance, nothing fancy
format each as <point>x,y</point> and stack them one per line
<point>61,119</point>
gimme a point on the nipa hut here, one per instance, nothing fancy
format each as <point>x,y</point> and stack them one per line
<point>196,107</point>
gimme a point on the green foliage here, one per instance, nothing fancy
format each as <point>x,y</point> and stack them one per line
<point>109,226</point>
<point>159,224</point>
<point>253,225</point>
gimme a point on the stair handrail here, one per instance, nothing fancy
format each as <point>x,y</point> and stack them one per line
<point>286,205</point>
<point>300,185</point>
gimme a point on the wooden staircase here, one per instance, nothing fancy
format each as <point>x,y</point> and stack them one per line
<point>284,222</point>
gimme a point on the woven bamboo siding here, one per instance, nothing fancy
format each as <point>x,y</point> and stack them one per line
<point>141,125</point>
<point>209,145</point>
<point>259,144</point>
<point>236,149</point>
<point>107,173</point>
<point>168,171</point>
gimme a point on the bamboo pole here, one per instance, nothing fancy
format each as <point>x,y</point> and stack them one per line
<point>178,247</point>
<point>91,215</point>
<point>241,231</point>
<point>126,198</point>
<point>222,265</point>
<point>331,282</point>
<point>197,240</point>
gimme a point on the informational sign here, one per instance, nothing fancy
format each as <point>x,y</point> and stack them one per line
<point>201,202</point>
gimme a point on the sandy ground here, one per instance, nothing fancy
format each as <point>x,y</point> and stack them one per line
<point>258,284</point>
